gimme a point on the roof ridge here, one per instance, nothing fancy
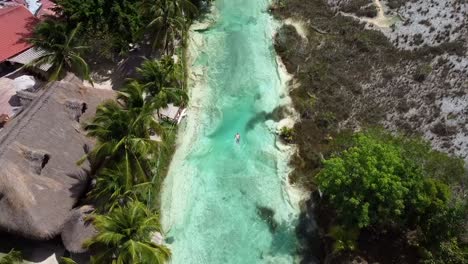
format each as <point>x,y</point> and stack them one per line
<point>23,119</point>
<point>11,8</point>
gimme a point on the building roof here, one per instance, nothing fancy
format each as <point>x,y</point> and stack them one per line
<point>78,229</point>
<point>7,91</point>
<point>172,112</point>
<point>28,56</point>
<point>17,23</point>
<point>38,8</point>
<point>32,5</point>
<point>46,8</point>
<point>40,182</point>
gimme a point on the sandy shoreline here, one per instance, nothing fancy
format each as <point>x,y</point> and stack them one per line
<point>197,84</point>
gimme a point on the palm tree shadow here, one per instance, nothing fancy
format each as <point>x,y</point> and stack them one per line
<point>30,25</point>
<point>32,250</point>
<point>118,69</point>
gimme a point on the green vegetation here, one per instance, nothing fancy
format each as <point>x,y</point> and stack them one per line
<point>109,30</point>
<point>133,148</point>
<point>287,134</point>
<point>129,165</point>
<point>117,21</point>
<point>330,92</point>
<point>360,8</point>
<point>124,153</point>
<point>162,80</point>
<point>395,4</point>
<point>394,184</point>
<point>125,236</point>
<point>388,199</point>
<point>62,51</point>
<point>422,72</point>
<point>168,21</point>
<point>13,257</point>
<point>66,261</point>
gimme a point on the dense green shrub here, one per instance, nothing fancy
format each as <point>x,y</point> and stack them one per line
<point>353,6</point>
<point>394,4</point>
<point>392,182</point>
<point>120,19</point>
<point>287,134</point>
<point>422,72</point>
<point>13,257</point>
<point>369,11</point>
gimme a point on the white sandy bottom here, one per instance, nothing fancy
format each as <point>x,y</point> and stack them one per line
<point>216,188</point>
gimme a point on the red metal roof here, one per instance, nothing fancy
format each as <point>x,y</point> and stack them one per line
<point>46,8</point>
<point>15,24</point>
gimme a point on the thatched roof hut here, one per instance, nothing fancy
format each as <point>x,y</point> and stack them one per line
<point>78,229</point>
<point>40,182</point>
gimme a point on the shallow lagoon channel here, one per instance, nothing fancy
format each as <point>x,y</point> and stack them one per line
<point>225,202</point>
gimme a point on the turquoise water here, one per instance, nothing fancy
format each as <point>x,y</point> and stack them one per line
<point>225,202</point>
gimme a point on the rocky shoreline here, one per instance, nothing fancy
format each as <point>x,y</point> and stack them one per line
<point>351,73</point>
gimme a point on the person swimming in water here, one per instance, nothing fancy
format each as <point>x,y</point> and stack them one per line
<point>237,137</point>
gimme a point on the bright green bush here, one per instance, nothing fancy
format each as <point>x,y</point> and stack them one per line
<point>287,134</point>
<point>384,181</point>
<point>13,257</point>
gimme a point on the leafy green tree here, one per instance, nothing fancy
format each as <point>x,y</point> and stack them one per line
<point>124,236</point>
<point>385,181</point>
<point>449,252</point>
<point>49,32</point>
<point>62,51</point>
<point>287,134</point>
<point>344,238</point>
<point>366,183</point>
<point>117,186</point>
<point>13,257</point>
<point>162,80</point>
<point>134,96</point>
<point>168,21</point>
<point>123,136</point>
<point>381,179</point>
<point>120,19</point>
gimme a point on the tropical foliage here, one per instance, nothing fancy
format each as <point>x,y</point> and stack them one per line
<point>120,20</point>
<point>64,260</point>
<point>387,182</point>
<point>62,51</point>
<point>13,257</point>
<point>110,28</point>
<point>162,81</point>
<point>123,135</point>
<point>169,21</point>
<point>125,236</point>
<point>126,22</point>
<point>127,167</point>
<point>127,161</point>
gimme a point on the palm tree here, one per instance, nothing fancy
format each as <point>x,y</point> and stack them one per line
<point>169,19</point>
<point>117,186</point>
<point>123,136</point>
<point>162,80</point>
<point>60,51</point>
<point>124,235</point>
<point>64,260</point>
<point>49,32</point>
<point>134,96</point>
<point>13,257</point>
